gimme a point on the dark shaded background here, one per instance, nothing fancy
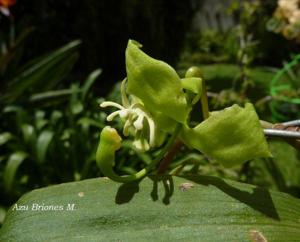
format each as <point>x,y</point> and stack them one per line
<point>104,27</point>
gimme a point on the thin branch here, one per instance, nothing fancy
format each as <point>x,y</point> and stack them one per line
<point>204,102</point>
<point>290,134</point>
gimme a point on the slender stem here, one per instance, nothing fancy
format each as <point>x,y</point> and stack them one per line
<point>192,72</point>
<point>160,156</point>
<point>164,164</point>
<point>204,101</point>
<point>85,169</point>
<point>168,146</point>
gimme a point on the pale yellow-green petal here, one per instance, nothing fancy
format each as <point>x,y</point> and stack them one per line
<point>155,83</point>
<point>231,136</point>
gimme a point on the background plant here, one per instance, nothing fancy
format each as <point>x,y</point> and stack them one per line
<point>285,90</point>
<point>39,138</point>
<point>52,144</point>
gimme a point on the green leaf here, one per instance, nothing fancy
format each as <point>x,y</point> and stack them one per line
<point>201,208</point>
<point>55,116</point>
<point>75,103</point>
<point>89,82</point>
<point>5,137</point>
<point>12,165</point>
<point>53,94</point>
<point>155,83</point>
<point>86,122</point>
<point>42,145</point>
<point>77,107</point>
<point>231,136</point>
<point>29,134</point>
<point>2,215</point>
<point>44,72</point>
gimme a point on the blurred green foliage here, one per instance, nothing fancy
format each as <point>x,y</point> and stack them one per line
<point>245,45</point>
<point>285,91</point>
<point>238,66</point>
<point>52,144</point>
<point>48,132</point>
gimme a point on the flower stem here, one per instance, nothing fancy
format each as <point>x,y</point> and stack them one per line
<point>204,101</point>
<point>163,166</point>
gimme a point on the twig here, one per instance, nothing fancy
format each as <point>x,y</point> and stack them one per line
<point>290,133</point>
<point>204,101</point>
<point>292,123</point>
<point>282,133</point>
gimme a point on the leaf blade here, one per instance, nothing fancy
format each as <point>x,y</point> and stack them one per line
<point>42,145</point>
<point>212,210</point>
<point>89,82</point>
<point>5,137</point>
<point>12,165</point>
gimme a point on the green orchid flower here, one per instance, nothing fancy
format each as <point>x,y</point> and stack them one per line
<point>159,105</point>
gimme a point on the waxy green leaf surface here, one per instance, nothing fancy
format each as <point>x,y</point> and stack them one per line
<point>206,209</point>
